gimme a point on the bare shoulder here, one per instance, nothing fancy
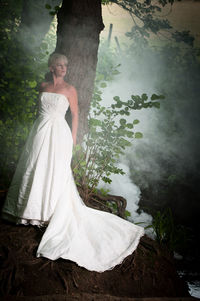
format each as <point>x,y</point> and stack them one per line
<point>43,86</point>
<point>71,92</point>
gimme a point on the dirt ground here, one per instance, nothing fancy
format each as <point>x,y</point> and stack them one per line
<point>148,272</point>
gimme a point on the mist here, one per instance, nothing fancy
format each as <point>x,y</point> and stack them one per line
<point>168,153</point>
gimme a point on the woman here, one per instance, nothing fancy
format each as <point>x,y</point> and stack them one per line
<point>58,66</point>
<point>43,191</point>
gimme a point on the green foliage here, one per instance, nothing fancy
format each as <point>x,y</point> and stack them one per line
<point>175,72</point>
<point>108,137</point>
<point>183,36</point>
<point>146,20</point>
<point>127,213</point>
<point>20,72</point>
<point>10,15</point>
<point>52,10</point>
<point>110,129</point>
<point>105,2</point>
<point>167,233</point>
<point>107,69</point>
<point>113,207</point>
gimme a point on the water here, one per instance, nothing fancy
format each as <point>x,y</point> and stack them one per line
<point>193,281</point>
<point>194,288</point>
<point>123,186</point>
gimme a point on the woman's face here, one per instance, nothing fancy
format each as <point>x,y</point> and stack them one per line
<point>59,68</point>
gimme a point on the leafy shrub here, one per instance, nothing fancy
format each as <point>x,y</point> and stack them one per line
<point>108,136</point>
<point>166,232</point>
<point>21,70</point>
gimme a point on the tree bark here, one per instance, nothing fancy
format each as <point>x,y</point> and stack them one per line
<point>79,25</point>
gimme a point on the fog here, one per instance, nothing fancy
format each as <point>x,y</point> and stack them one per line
<point>170,146</point>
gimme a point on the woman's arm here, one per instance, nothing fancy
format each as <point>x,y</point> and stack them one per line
<point>40,89</point>
<point>73,102</point>
<point>42,86</point>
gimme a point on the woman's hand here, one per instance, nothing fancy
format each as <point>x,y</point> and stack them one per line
<point>74,140</point>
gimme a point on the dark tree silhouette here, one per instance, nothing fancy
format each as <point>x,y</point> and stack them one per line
<point>79,25</point>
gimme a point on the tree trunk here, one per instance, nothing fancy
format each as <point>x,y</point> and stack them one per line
<point>79,25</point>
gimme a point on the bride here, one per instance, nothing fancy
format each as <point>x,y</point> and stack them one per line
<point>43,191</point>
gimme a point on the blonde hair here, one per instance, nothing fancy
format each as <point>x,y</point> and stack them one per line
<point>56,56</point>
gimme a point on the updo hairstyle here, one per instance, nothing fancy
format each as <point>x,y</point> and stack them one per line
<point>56,56</point>
<point>51,62</point>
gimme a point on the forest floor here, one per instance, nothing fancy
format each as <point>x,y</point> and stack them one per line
<point>91,297</point>
<point>148,272</point>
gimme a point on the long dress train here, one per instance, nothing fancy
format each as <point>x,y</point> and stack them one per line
<point>43,192</point>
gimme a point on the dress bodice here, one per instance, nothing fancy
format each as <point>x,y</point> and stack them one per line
<point>53,104</point>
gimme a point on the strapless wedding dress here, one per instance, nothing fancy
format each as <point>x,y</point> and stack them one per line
<point>43,192</point>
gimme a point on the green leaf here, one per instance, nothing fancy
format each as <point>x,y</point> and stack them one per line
<point>47,6</point>
<point>127,213</point>
<point>155,97</point>
<point>56,8</point>
<point>105,2</point>
<point>77,147</point>
<point>122,121</point>
<point>118,105</point>
<point>130,102</point>
<point>116,98</point>
<point>138,135</point>
<point>156,105</point>
<point>149,226</point>
<point>115,72</point>
<point>95,122</point>
<point>83,163</point>
<point>129,134</point>
<point>103,85</point>
<point>129,125</point>
<point>107,180</point>
<point>32,84</point>
<point>144,96</point>
<point>104,192</point>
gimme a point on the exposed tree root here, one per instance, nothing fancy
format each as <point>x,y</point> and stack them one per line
<point>101,202</point>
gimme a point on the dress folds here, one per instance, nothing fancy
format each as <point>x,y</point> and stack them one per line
<point>43,192</point>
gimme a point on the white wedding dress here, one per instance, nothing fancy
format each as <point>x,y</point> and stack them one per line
<point>43,192</point>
